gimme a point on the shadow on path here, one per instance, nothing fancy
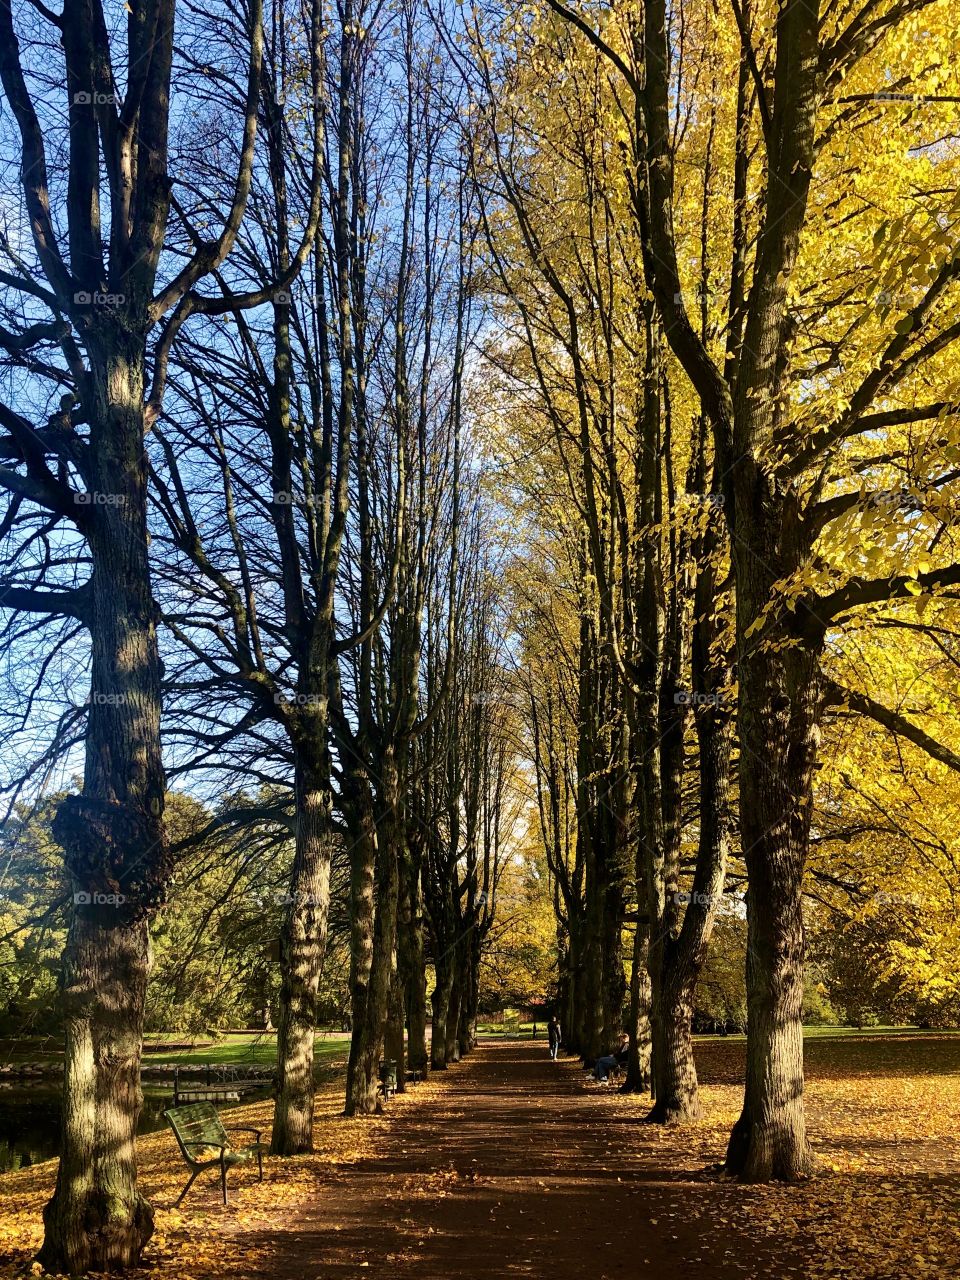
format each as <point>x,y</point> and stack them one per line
<point>508,1168</point>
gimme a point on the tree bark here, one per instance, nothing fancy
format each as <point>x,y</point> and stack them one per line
<point>451,1050</point>
<point>779,711</point>
<point>467,1030</point>
<point>114,847</point>
<point>302,947</point>
<point>440,1004</point>
<point>368,1035</point>
<point>363,854</point>
<point>638,1078</point>
<point>674,1070</point>
<point>394,1045</point>
<point>97,1219</point>
<point>677,1096</point>
<point>416,987</point>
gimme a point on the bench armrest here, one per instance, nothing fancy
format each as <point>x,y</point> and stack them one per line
<point>243,1128</point>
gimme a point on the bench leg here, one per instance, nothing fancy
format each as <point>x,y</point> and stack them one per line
<point>260,1162</point>
<point>190,1182</point>
<point>223,1178</point>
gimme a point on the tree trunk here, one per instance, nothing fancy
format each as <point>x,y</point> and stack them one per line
<point>367,1044</point>
<point>779,710</point>
<point>394,1046</point>
<point>769,1139</point>
<point>363,851</point>
<point>467,1032</point>
<point>440,1003</point>
<point>452,1020</point>
<point>614,980</point>
<point>302,945</point>
<point>115,851</point>
<point>677,1097</point>
<point>410,956</point>
<point>592,1014</point>
<point>575,1029</point>
<point>638,1076</point>
<point>674,1070</point>
<point>416,983</point>
<point>97,1220</point>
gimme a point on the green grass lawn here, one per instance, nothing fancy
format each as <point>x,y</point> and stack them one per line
<point>247,1048</point>
<point>250,1048</point>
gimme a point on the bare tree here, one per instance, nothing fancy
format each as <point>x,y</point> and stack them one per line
<point>83,302</point>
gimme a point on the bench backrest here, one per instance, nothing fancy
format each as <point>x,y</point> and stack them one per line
<point>196,1125</point>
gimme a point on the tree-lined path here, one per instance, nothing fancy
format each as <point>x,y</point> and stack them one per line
<point>514,1166</point>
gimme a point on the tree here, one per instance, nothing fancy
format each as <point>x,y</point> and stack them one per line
<point>786,460</point>
<point>84,300</point>
<point>655,608</point>
<point>263,413</point>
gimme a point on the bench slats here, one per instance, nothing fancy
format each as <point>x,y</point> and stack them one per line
<point>197,1124</point>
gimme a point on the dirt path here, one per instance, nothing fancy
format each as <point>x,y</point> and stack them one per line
<point>513,1165</point>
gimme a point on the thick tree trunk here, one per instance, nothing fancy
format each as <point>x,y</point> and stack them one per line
<point>452,1021</point>
<point>367,1044</point>
<point>638,1077</point>
<point>677,1096</point>
<point>114,849</point>
<point>563,1002</point>
<point>363,854</point>
<point>674,1070</point>
<point>614,979</point>
<point>573,1027</point>
<point>410,957</point>
<point>779,710</point>
<point>394,1044</point>
<point>769,1141</point>
<point>467,1029</point>
<point>440,1004</point>
<point>302,947</point>
<point>592,1014</point>
<point>416,991</point>
<point>97,1220</point>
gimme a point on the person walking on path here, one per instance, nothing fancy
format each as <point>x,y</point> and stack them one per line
<point>553,1034</point>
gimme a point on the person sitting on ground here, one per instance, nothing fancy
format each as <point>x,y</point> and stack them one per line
<point>553,1035</point>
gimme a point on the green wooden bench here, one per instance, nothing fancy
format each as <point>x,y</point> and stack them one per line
<point>388,1079</point>
<point>204,1143</point>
